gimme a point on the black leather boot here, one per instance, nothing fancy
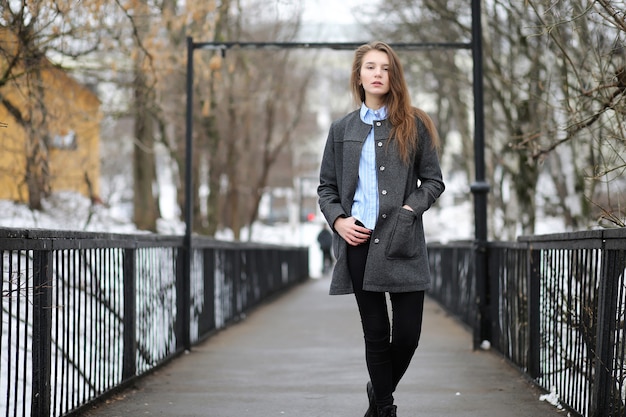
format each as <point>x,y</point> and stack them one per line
<point>387,411</point>
<point>372,411</point>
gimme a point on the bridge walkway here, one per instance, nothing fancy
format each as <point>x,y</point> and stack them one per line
<point>302,356</point>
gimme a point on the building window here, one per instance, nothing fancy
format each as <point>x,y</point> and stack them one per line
<point>67,141</point>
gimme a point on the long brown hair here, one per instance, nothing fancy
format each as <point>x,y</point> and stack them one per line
<point>400,111</point>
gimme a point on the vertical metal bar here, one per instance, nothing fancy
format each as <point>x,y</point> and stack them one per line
<point>75,319</point>
<point>236,272</point>
<point>95,322</point>
<point>103,267</point>
<point>63,395</point>
<point>10,328</point>
<point>586,300</point>
<point>495,260</point>
<point>209,288</point>
<point>42,332</point>
<point>4,279</point>
<point>103,284</point>
<point>568,289</point>
<point>23,309</point>
<point>117,296</point>
<point>480,187</point>
<point>185,295</point>
<point>619,343</point>
<point>180,272</point>
<point>82,307</point>
<point>604,395</point>
<point>129,366</point>
<point>534,313</point>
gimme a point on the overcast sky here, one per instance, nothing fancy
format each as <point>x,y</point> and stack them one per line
<point>329,11</point>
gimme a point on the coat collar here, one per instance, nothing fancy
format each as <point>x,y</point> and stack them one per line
<point>357,130</point>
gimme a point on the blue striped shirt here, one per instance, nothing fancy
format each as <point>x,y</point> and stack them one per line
<point>365,204</point>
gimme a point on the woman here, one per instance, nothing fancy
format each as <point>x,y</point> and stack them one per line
<point>379,173</point>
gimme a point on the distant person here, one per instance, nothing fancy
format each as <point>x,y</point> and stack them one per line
<point>325,240</point>
<point>380,172</point>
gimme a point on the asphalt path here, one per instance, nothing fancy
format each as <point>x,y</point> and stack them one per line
<point>302,355</point>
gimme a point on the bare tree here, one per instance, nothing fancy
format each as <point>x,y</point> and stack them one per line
<point>249,117</point>
<point>551,78</point>
<point>588,44</point>
<point>154,36</point>
<point>284,109</point>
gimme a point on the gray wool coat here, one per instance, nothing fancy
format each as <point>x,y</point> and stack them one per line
<point>397,260</point>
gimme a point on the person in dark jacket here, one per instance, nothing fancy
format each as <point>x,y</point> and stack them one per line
<point>325,240</point>
<point>380,172</point>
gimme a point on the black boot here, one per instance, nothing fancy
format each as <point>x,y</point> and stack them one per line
<point>372,411</point>
<point>387,411</point>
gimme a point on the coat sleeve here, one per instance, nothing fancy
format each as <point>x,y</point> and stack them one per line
<point>328,189</point>
<point>428,172</point>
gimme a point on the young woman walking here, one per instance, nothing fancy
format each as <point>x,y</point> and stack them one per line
<point>380,172</point>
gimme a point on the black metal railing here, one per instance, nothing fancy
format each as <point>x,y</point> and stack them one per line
<point>83,313</point>
<point>453,286</point>
<point>557,306</point>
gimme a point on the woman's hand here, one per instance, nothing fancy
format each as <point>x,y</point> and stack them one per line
<point>349,231</point>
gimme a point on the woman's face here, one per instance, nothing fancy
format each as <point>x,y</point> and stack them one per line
<point>374,74</point>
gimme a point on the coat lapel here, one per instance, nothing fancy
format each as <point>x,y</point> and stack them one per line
<point>355,134</point>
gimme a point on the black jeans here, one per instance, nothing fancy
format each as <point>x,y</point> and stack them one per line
<point>389,348</point>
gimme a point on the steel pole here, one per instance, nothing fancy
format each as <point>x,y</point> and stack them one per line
<point>480,187</point>
<point>186,287</point>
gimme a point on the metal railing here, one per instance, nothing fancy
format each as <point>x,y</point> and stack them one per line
<point>84,313</point>
<point>557,306</point>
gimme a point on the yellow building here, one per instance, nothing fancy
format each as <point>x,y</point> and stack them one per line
<point>73,125</point>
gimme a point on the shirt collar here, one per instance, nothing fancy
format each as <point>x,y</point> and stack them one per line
<point>368,115</point>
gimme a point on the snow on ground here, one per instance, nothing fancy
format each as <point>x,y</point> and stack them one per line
<point>67,211</point>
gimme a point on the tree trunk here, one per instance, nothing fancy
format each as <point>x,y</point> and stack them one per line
<point>37,155</point>
<point>145,199</point>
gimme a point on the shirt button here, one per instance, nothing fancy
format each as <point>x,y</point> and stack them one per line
<point>382,168</point>
<point>384,192</point>
<point>377,240</point>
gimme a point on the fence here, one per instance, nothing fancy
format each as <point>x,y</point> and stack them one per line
<point>83,313</point>
<point>556,305</point>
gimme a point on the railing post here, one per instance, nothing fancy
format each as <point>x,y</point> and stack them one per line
<point>181,327</point>
<point>129,364</point>
<point>534,313</point>
<point>495,258</point>
<point>209,322</point>
<point>42,332</point>
<point>604,391</point>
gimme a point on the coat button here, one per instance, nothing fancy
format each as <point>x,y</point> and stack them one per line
<point>377,240</point>
<point>384,216</point>
<point>384,192</point>
<point>380,144</point>
<point>378,123</point>
<point>382,168</point>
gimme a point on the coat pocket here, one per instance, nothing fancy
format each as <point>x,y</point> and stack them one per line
<point>404,237</point>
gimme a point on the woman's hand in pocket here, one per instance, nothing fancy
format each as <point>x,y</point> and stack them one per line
<point>352,233</point>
